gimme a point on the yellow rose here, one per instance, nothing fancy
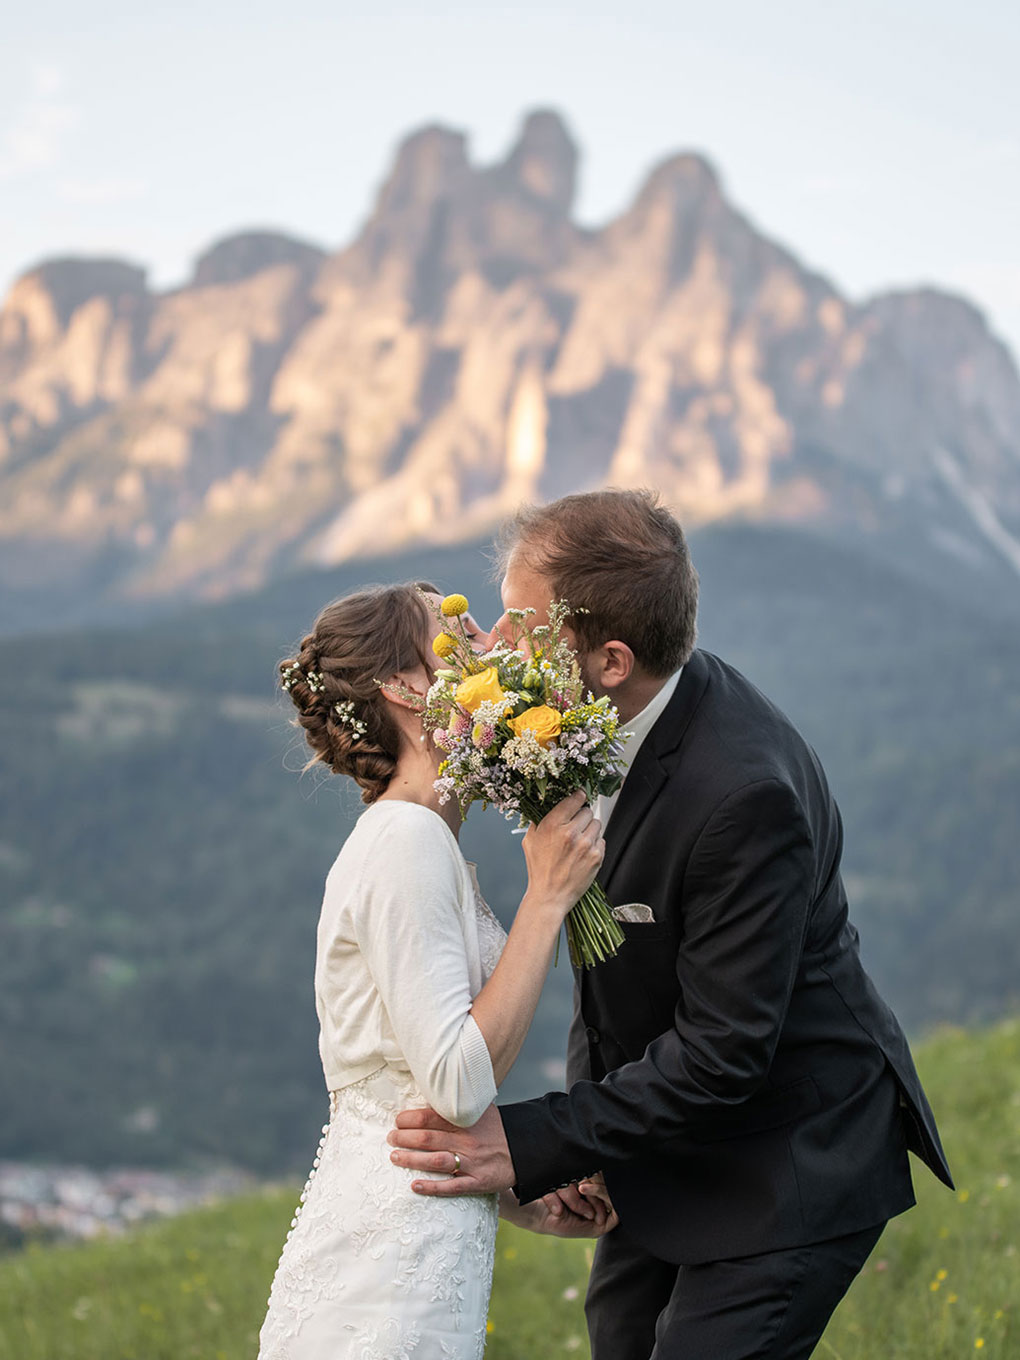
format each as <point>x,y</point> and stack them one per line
<point>444,645</point>
<point>454,605</point>
<point>479,689</point>
<point>543,721</point>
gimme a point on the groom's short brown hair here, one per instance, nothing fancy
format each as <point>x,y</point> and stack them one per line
<point>620,557</point>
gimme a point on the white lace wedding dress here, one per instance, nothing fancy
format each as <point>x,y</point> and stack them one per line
<point>369,1270</point>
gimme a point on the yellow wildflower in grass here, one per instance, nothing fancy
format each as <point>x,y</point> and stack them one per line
<point>479,689</point>
<point>542,720</point>
<point>941,1274</point>
<point>444,645</point>
<point>454,605</point>
<point>979,1344</point>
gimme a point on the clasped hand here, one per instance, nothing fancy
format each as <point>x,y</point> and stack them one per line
<point>476,1161</point>
<point>582,1209</point>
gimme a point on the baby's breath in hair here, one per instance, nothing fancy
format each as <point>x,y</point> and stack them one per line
<point>345,716</point>
<point>290,675</point>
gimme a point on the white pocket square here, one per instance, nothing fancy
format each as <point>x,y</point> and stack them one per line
<point>634,913</point>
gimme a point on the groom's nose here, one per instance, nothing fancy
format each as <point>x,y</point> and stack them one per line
<point>502,633</point>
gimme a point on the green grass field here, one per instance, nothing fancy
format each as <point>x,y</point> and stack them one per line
<point>943,1283</point>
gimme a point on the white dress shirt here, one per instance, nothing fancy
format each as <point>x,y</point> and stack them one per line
<point>639,726</point>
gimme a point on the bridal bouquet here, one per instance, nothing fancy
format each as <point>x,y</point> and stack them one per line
<point>522,733</point>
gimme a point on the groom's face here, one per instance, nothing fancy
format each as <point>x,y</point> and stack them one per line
<point>524,587</point>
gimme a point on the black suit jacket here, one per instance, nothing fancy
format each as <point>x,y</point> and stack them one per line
<point>733,1070</point>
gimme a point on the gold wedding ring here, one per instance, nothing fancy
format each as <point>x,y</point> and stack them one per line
<point>456,1163</point>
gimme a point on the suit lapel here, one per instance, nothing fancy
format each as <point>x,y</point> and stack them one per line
<point>652,766</point>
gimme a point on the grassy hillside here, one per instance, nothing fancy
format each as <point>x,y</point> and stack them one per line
<point>940,1285</point>
<point>161,862</point>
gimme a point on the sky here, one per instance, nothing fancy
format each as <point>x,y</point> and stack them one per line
<point>878,141</point>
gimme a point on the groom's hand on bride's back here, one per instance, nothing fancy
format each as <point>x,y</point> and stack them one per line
<point>474,1161</point>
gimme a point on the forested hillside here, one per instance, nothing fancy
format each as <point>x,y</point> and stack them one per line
<point>161,860</point>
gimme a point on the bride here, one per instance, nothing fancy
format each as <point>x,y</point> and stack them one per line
<point>422,999</point>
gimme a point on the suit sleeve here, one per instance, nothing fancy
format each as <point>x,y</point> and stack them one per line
<point>747,894</point>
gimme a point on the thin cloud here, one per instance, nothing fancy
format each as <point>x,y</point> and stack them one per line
<point>101,190</point>
<point>36,136</point>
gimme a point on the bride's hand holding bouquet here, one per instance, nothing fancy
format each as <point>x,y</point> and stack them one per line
<point>522,733</point>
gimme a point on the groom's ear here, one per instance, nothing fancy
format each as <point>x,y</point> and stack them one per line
<point>613,664</point>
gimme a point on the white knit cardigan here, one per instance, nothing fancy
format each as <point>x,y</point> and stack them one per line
<point>398,961</point>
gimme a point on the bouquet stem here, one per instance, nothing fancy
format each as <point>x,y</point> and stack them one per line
<point>593,932</point>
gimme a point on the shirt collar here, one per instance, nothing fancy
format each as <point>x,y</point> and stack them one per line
<point>642,723</point>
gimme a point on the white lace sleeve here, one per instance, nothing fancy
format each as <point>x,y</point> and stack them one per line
<point>408,924</point>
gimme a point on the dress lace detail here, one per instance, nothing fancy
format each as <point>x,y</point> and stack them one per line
<point>369,1270</point>
<point>491,935</point>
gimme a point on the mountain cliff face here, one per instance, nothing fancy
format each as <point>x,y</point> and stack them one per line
<point>472,348</point>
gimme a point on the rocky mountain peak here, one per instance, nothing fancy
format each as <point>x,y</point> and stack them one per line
<point>430,169</point>
<point>41,303</point>
<point>682,181</point>
<point>543,161</point>
<point>471,349</point>
<point>430,164</point>
<point>247,253</point>
<point>439,217</point>
<point>679,206</point>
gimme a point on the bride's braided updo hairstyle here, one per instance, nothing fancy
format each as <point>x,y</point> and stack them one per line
<point>356,641</point>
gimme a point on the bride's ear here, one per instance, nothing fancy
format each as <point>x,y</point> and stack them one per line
<point>403,690</point>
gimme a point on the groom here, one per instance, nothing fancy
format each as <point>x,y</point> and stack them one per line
<point>733,1071</point>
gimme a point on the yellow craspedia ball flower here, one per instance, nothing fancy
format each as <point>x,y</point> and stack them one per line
<point>454,605</point>
<point>542,720</point>
<point>479,689</point>
<point>444,645</point>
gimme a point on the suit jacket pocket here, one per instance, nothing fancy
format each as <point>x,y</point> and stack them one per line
<point>643,930</point>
